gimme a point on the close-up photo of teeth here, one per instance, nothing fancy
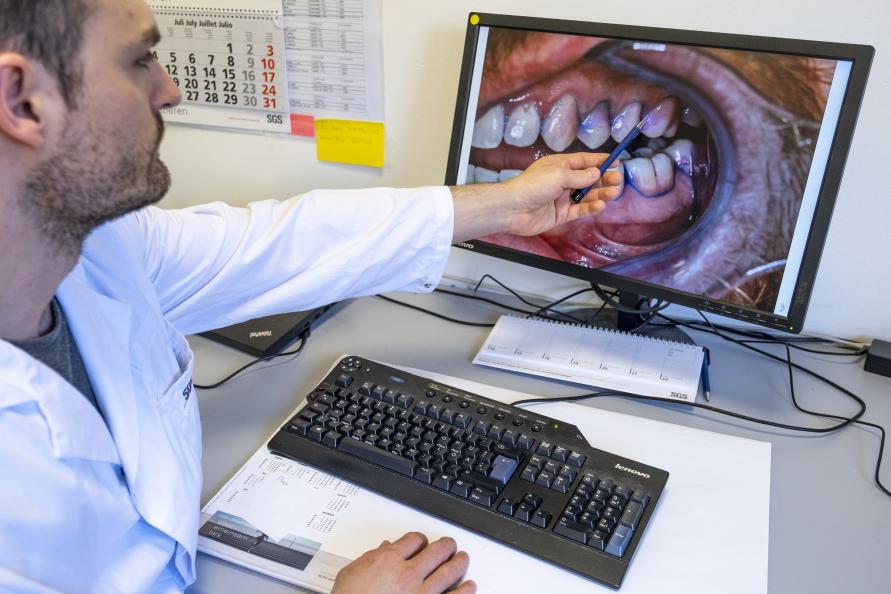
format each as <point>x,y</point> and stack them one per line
<point>713,177</point>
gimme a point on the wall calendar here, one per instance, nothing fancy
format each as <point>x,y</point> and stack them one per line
<point>228,62</point>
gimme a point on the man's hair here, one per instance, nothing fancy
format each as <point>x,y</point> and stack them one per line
<point>51,32</point>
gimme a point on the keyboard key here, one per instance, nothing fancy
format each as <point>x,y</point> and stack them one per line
<point>366,388</point>
<point>461,488</point>
<point>502,469</point>
<point>299,426</point>
<point>612,514</point>
<point>524,512</point>
<point>496,431</point>
<point>508,451</point>
<point>481,427</point>
<point>344,380</point>
<point>598,540</point>
<point>404,400</point>
<point>525,442</point>
<point>568,473</point>
<point>425,475</point>
<point>560,484</point>
<point>332,438</point>
<point>544,449</point>
<point>532,500</point>
<point>510,436</point>
<point>541,518</point>
<point>544,479</point>
<point>618,542</point>
<point>623,492</point>
<point>631,515</point>
<point>462,420</point>
<point>480,480</point>
<point>530,473</point>
<point>316,432</point>
<point>482,496</point>
<point>576,459</point>
<point>379,457</point>
<point>574,530</point>
<point>605,525</point>
<point>560,454</point>
<point>508,506</point>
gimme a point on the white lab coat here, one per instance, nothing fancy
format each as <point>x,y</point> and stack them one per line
<point>90,507</point>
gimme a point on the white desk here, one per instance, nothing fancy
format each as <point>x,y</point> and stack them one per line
<point>830,528</point>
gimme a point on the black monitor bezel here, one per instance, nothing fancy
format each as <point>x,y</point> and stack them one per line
<point>861,58</point>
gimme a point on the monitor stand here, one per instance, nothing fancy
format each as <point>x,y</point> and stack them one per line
<point>627,322</point>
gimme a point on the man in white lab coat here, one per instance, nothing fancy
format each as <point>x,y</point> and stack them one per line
<point>100,442</point>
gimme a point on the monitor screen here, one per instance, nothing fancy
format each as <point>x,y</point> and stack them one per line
<point>729,188</point>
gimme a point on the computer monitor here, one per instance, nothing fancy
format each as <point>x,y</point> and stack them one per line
<point>728,192</point>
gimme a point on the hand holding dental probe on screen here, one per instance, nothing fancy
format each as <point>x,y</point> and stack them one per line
<point>578,195</point>
<point>537,199</point>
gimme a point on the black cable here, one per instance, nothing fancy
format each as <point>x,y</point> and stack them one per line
<point>855,419</point>
<point>436,315</point>
<point>303,339</point>
<point>538,311</point>
<point>481,298</point>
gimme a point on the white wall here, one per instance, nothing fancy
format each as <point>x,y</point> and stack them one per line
<point>422,55</point>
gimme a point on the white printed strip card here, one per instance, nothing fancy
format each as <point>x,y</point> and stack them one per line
<point>594,357</point>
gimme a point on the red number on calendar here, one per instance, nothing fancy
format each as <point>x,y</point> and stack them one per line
<point>269,76</point>
<point>269,102</point>
<point>270,51</point>
<point>268,63</point>
<point>269,90</point>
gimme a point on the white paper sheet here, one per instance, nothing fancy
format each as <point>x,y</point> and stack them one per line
<point>335,62</point>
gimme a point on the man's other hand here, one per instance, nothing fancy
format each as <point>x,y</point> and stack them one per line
<point>408,566</point>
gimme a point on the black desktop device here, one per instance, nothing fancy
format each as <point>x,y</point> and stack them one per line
<point>728,191</point>
<point>268,335</point>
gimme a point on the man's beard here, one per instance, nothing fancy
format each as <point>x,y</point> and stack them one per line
<point>85,184</point>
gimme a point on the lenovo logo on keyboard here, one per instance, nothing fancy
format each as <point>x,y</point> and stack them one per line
<point>631,470</point>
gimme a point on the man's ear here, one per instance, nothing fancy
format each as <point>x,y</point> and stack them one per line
<point>26,94</point>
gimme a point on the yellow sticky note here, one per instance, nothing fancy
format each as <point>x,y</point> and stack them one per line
<point>350,141</point>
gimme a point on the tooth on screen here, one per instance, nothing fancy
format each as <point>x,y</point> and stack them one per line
<point>489,129</point>
<point>507,174</point>
<point>523,126</point>
<point>625,121</point>
<point>562,124</point>
<point>661,118</point>
<point>681,152</point>
<point>691,117</point>
<point>483,175</point>
<point>651,177</point>
<point>594,129</point>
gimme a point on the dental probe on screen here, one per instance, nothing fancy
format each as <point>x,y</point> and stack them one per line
<point>577,195</point>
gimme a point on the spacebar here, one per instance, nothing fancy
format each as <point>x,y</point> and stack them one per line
<point>377,456</point>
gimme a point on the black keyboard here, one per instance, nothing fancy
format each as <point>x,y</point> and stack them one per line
<point>525,480</point>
